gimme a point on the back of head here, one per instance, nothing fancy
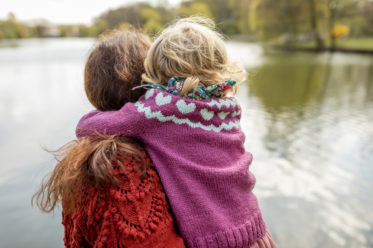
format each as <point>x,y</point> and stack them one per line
<point>114,67</point>
<point>192,50</point>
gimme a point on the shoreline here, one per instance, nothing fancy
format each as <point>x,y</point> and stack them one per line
<point>322,50</point>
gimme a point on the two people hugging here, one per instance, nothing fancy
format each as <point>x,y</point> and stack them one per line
<point>161,162</point>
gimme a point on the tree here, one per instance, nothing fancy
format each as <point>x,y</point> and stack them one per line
<point>152,20</point>
<point>332,7</point>
<point>84,31</point>
<point>12,29</point>
<point>99,26</point>
<point>194,8</point>
<point>273,20</point>
<point>38,30</point>
<point>139,15</point>
<point>241,10</point>
<point>339,10</point>
<point>130,14</point>
<point>314,25</point>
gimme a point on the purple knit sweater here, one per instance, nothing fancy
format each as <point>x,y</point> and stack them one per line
<point>197,149</point>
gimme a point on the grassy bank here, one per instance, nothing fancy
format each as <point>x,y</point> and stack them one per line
<point>363,43</point>
<point>360,45</point>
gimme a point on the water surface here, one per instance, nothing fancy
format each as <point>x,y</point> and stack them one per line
<point>307,118</point>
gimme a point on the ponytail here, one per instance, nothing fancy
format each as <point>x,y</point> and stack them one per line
<point>81,163</point>
<point>190,83</point>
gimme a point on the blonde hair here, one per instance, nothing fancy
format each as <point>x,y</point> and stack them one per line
<point>193,50</point>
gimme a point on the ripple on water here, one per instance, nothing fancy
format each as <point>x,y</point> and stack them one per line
<point>313,154</point>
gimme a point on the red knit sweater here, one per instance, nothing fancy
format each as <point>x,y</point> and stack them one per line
<point>134,214</point>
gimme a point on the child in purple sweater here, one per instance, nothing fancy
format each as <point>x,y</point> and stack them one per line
<point>191,129</point>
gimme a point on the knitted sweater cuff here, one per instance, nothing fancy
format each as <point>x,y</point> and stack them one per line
<point>239,236</point>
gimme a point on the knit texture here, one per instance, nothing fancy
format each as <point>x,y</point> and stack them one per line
<point>133,214</point>
<point>197,148</point>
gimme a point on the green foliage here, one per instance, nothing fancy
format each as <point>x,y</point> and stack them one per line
<point>38,31</point>
<point>194,8</point>
<point>129,14</point>
<point>241,10</point>
<point>140,15</point>
<point>221,10</point>
<point>99,26</point>
<point>11,29</point>
<point>274,19</point>
<point>286,22</point>
<point>229,27</point>
<point>292,21</point>
<point>152,20</point>
<point>226,14</point>
<point>85,31</point>
<point>361,43</point>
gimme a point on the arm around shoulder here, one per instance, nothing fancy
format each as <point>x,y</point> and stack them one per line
<point>124,122</point>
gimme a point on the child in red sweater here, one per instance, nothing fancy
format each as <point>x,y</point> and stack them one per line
<point>110,192</point>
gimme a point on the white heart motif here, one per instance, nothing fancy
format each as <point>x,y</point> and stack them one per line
<point>236,113</point>
<point>185,108</point>
<point>207,115</point>
<point>162,100</point>
<point>149,93</point>
<point>222,115</point>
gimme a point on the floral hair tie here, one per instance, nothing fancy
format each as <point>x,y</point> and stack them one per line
<point>175,85</point>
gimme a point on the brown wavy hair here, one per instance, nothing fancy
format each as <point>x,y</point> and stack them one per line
<point>113,68</point>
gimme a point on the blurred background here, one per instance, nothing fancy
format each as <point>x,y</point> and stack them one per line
<point>307,106</point>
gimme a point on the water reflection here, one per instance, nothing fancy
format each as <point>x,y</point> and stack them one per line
<point>41,99</point>
<point>315,149</point>
<point>307,118</point>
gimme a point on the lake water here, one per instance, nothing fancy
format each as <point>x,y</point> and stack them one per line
<point>308,120</point>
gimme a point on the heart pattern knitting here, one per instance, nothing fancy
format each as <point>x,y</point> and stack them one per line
<point>185,108</point>
<point>207,115</point>
<point>164,107</point>
<point>222,115</point>
<point>149,114</point>
<point>162,100</point>
<point>236,113</point>
<point>149,93</point>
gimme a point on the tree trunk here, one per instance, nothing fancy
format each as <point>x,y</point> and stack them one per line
<point>332,12</point>
<point>314,26</point>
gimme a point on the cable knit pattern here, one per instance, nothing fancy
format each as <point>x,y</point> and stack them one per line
<point>198,149</point>
<point>134,214</point>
